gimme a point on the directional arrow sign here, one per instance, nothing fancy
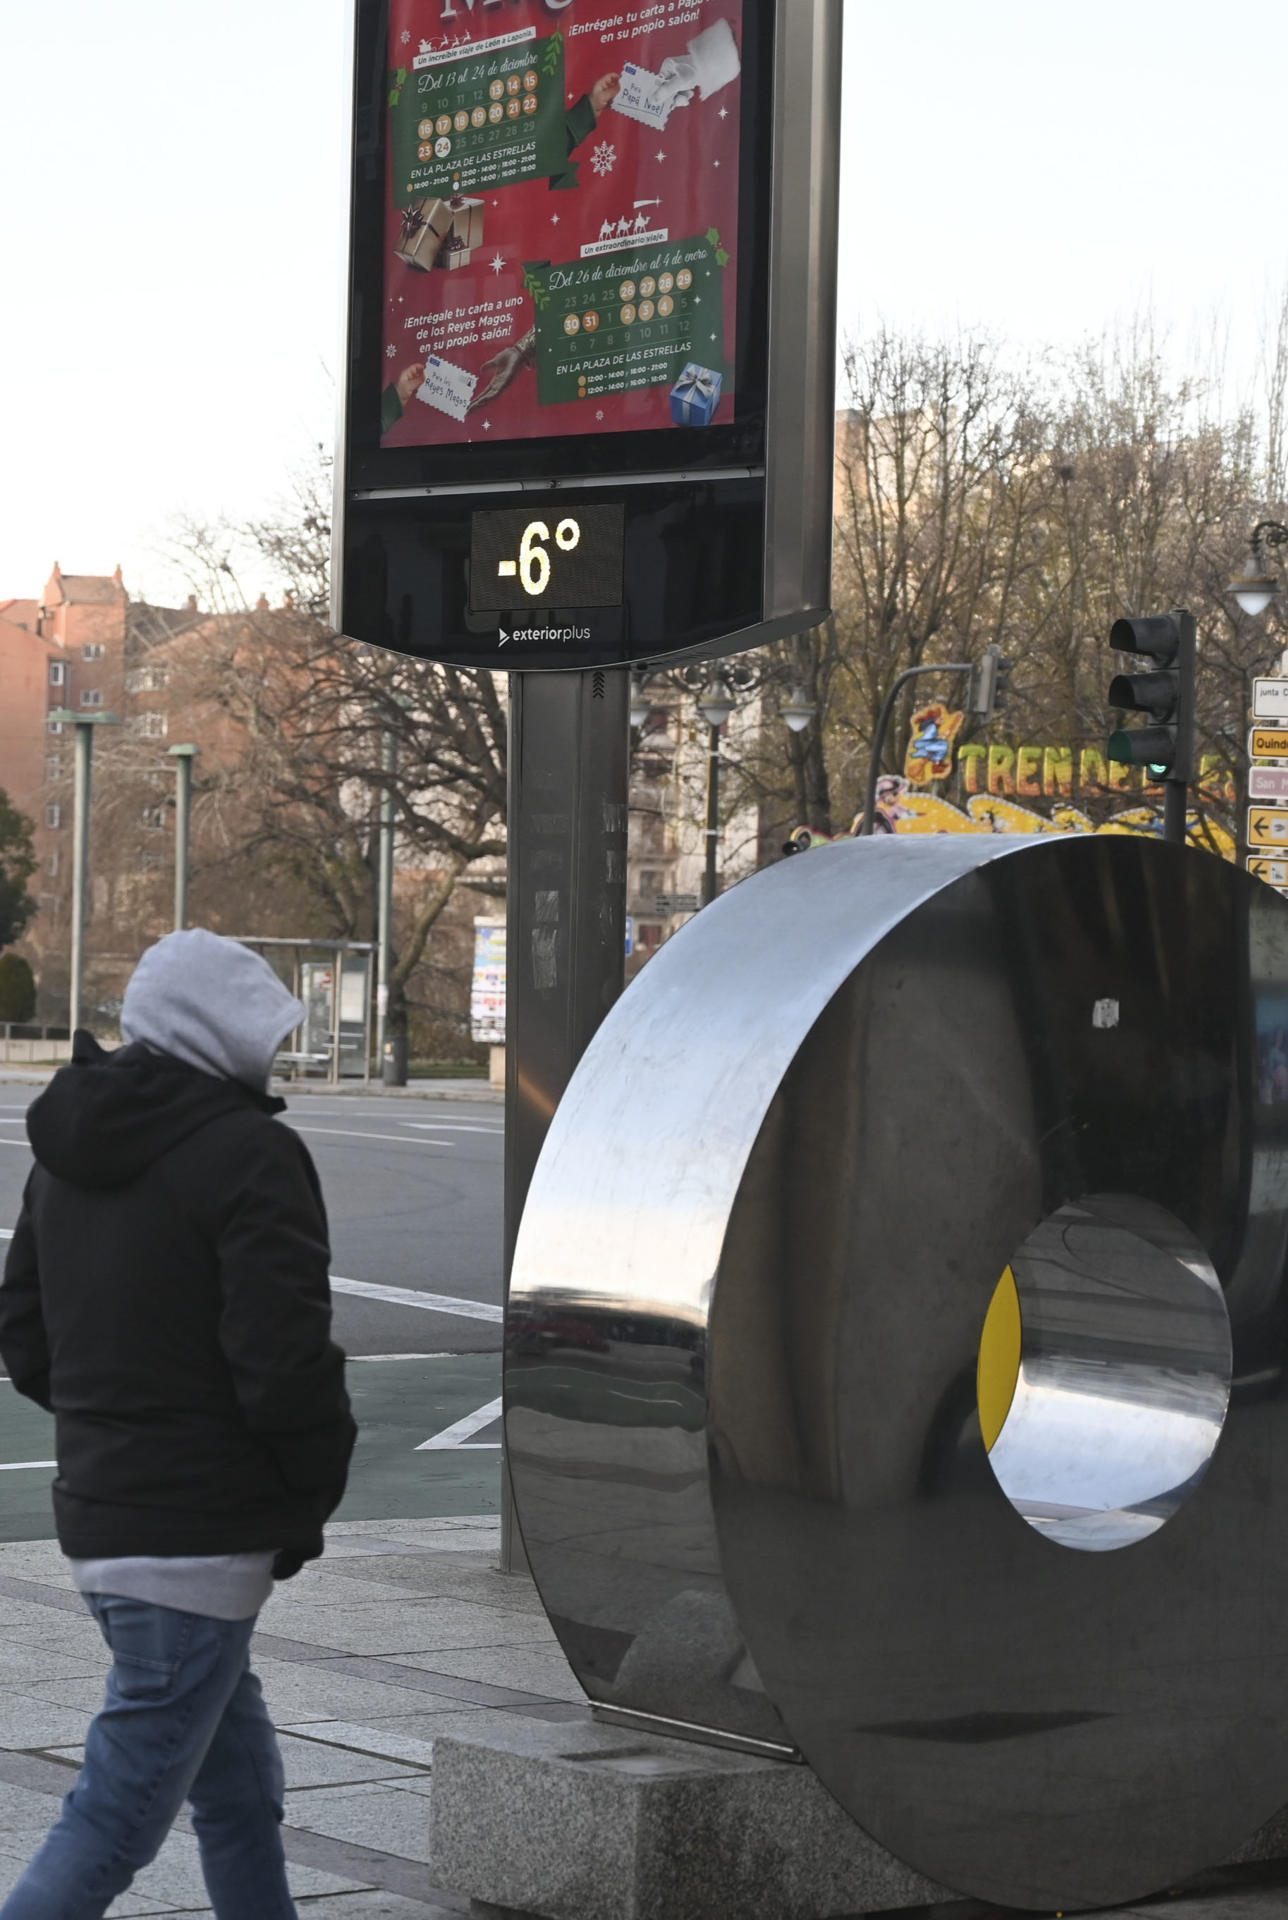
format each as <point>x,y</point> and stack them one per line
<point>1269,743</point>
<point>1268,827</point>
<point>1270,699</point>
<point>1268,783</point>
<point>1274,872</point>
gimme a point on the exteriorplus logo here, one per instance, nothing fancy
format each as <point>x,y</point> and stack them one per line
<point>549,635</point>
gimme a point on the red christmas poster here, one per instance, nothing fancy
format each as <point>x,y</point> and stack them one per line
<point>561,221</point>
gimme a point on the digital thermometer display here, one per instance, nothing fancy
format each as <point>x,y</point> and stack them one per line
<point>522,559</point>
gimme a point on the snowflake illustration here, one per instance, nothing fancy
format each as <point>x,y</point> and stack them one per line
<point>724,113</point>
<point>390,351</point>
<point>600,414</point>
<point>554,219</point>
<point>603,158</point>
<point>404,36</point>
<point>497,263</point>
<point>659,154</point>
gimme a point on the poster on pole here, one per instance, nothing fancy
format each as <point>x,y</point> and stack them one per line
<point>487,987</point>
<point>561,218</point>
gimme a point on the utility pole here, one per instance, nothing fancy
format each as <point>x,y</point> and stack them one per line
<point>84,724</point>
<point>183,758</point>
<point>565,914</point>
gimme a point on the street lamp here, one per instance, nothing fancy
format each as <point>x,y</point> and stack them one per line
<point>393,1072</point>
<point>183,758</point>
<point>1254,588</point>
<point>84,724</point>
<point>715,704</point>
<point>797,710</point>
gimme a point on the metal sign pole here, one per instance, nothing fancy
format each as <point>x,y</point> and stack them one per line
<point>183,758</point>
<point>565,915</point>
<point>80,863</point>
<point>385,889</point>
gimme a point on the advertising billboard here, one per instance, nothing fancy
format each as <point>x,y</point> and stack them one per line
<point>591,292</point>
<point>561,249</point>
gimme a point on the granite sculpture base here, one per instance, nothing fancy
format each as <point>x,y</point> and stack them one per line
<point>576,1820</point>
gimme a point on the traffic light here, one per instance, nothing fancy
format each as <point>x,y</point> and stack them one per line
<point>990,682</point>
<point>1165,694</point>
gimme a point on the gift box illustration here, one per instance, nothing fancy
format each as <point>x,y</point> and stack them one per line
<point>695,396</point>
<point>440,233</point>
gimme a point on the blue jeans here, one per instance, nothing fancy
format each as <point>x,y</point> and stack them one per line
<point>183,1719</point>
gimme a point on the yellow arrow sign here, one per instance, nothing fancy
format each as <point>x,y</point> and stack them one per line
<point>1273,872</point>
<point>1268,743</point>
<point>1268,827</point>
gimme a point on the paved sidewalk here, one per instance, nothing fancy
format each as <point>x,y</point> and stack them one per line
<point>404,1631</point>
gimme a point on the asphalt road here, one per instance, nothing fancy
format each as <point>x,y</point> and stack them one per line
<point>413,1190</point>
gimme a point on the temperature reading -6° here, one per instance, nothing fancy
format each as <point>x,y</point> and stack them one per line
<point>533,563</point>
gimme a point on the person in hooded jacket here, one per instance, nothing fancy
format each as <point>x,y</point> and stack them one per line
<point>166,1297</point>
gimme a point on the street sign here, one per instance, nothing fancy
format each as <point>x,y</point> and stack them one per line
<point>1267,827</point>
<point>588,408</point>
<point>1268,783</point>
<point>1270,699</point>
<point>1268,743</point>
<point>1273,872</point>
<point>668,903</point>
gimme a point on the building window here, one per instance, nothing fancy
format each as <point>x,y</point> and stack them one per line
<point>650,881</point>
<point>94,651</point>
<point>57,672</point>
<point>53,864</point>
<point>152,725</point>
<point>53,816</point>
<point>55,726</point>
<point>92,697</point>
<point>649,937</point>
<point>146,680</point>
<point>154,818</point>
<point>53,766</point>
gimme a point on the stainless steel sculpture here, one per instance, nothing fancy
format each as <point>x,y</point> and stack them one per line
<point>746,1310</point>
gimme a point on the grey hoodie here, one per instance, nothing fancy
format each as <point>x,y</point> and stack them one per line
<point>212,1003</point>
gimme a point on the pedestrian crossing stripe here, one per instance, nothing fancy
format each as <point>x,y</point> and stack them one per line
<point>459,1437</point>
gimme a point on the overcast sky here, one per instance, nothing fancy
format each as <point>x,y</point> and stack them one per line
<point>171,224</point>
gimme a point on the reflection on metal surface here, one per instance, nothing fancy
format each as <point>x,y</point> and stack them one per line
<point>1124,1374</point>
<point>741,1393</point>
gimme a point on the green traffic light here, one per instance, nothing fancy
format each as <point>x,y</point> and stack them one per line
<point>1139,747</point>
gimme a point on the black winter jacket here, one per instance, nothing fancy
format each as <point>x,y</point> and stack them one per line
<point>166,1297</point>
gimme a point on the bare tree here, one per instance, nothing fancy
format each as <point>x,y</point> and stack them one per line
<point>303,724</point>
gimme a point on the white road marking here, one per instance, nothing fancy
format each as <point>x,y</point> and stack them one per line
<point>22,1144</point>
<point>352,1133</point>
<point>353,1358</point>
<point>451,1126</point>
<point>21,1466</point>
<point>398,1297</point>
<point>410,1297</point>
<point>459,1436</point>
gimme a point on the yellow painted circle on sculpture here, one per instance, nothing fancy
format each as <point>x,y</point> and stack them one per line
<point>998,1370</point>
